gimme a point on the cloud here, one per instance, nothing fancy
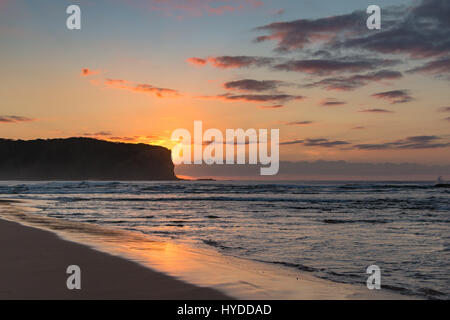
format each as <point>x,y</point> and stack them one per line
<point>277,106</point>
<point>376,110</point>
<point>330,66</point>
<point>447,119</point>
<point>96,134</point>
<point>142,87</point>
<point>116,82</point>
<point>437,67</point>
<point>124,139</point>
<point>298,34</point>
<point>355,81</point>
<point>253,85</point>
<point>197,61</point>
<point>299,123</point>
<point>332,102</point>
<point>290,142</point>
<point>414,142</point>
<point>420,31</point>
<point>14,119</point>
<point>319,67</point>
<point>394,96</point>
<point>257,98</point>
<point>324,143</point>
<point>159,92</point>
<point>232,62</point>
<point>358,128</point>
<point>444,109</point>
<point>88,72</point>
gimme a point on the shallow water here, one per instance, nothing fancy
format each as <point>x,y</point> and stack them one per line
<point>333,230</point>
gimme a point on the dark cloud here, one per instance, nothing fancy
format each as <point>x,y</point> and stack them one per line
<point>376,110</point>
<point>355,81</point>
<point>325,143</point>
<point>277,106</point>
<point>284,143</point>
<point>320,67</point>
<point>423,138</point>
<point>331,66</point>
<point>394,96</point>
<point>439,66</point>
<point>332,102</point>
<point>358,128</point>
<point>415,142</point>
<point>14,119</point>
<point>274,98</point>
<point>298,34</point>
<point>444,109</point>
<point>232,62</point>
<point>299,123</point>
<point>447,119</point>
<point>253,85</point>
<point>420,31</point>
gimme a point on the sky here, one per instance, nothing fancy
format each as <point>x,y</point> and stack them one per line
<point>137,70</point>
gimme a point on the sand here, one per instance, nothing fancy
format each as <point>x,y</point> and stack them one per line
<point>34,262</point>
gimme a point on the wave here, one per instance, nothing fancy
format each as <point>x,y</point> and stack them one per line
<point>339,221</point>
<point>100,187</point>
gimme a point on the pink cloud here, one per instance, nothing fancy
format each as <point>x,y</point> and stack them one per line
<point>197,61</point>
<point>141,87</point>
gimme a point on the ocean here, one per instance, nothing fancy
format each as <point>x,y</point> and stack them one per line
<point>333,230</point>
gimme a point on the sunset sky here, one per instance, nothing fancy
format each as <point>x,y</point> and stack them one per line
<point>137,70</point>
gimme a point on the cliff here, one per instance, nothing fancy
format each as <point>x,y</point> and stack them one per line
<point>83,159</point>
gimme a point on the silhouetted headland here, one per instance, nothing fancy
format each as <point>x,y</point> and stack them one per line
<point>83,159</point>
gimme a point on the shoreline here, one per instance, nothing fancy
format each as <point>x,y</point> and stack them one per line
<point>148,269</point>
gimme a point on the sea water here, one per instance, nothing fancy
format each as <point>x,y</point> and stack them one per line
<point>333,230</point>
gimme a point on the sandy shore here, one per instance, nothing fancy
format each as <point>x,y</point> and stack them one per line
<point>36,250</point>
<point>34,264</point>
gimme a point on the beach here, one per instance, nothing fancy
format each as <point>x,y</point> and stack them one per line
<point>35,263</point>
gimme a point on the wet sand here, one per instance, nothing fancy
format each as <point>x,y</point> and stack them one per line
<point>34,264</point>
